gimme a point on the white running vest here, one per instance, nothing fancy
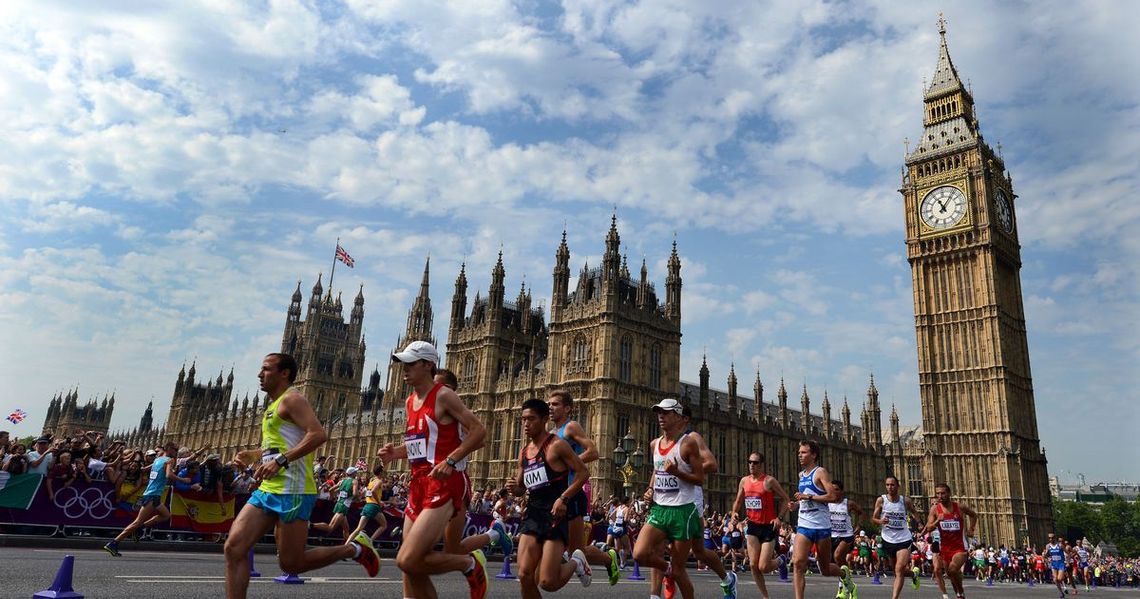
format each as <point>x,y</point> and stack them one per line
<point>669,489</point>
<point>896,529</point>
<point>840,519</point>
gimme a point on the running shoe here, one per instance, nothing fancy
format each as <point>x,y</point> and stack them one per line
<point>728,587</point>
<point>368,557</point>
<point>667,582</point>
<point>112,547</point>
<point>612,568</point>
<point>585,573</point>
<point>477,578</point>
<point>847,582</point>
<point>505,543</point>
<point>842,592</point>
<point>914,579</point>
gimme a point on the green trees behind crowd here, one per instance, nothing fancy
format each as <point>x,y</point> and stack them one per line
<point>1117,521</point>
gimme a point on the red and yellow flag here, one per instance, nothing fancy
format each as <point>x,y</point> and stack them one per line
<point>201,512</point>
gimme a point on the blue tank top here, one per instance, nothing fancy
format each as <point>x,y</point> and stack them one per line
<point>157,482</point>
<point>813,514</point>
<point>1055,553</point>
<point>573,444</point>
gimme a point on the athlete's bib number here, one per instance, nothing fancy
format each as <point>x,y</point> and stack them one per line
<point>807,505</point>
<point>154,475</point>
<point>839,523</point>
<point>753,503</point>
<point>417,448</point>
<point>368,493</point>
<point>895,520</point>
<point>534,477</point>
<point>663,482</point>
<point>951,525</point>
<point>342,495</point>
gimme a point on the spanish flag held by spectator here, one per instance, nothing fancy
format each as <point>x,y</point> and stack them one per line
<point>201,511</point>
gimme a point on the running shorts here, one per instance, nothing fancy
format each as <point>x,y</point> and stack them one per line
<point>835,541</point>
<point>678,522</point>
<point>890,549</point>
<point>762,532</point>
<point>426,492</point>
<point>288,507</point>
<point>370,510</point>
<point>152,500</point>
<point>736,542</point>
<point>814,535</point>
<point>578,506</point>
<point>544,526</point>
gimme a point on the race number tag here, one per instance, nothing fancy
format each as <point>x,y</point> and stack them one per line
<point>534,477</point>
<point>342,495</point>
<point>417,448</point>
<point>368,493</point>
<point>663,482</point>
<point>753,503</point>
<point>154,475</point>
<point>951,525</point>
<point>807,505</point>
<point>896,520</point>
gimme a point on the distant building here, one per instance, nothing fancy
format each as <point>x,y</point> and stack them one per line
<point>65,416</point>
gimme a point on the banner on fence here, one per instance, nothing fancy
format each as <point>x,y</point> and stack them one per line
<point>200,511</point>
<point>18,490</point>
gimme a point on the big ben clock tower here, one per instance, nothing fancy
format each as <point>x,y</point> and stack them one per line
<point>978,413</point>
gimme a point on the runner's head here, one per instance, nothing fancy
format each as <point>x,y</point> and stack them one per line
<point>378,470</point>
<point>535,413</point>
<point>278,371</point>
<point>669,415</point>
<point>808,453</point>
<point>942,493</point>
<point>420,360</point>
<point>447,378</point>
<point>561,402</point>
<point>170,449</point>
<point>892,485</point>
<point>838,484</point>
<point>755,462</point>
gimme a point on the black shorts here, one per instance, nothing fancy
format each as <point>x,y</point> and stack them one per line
<point>763,532</point>
<point>890,549</point>
<point>736,542</point>
<point>539,523</point>
<point>835,541</point>
<point>936,547</point>
<point>577,507</point>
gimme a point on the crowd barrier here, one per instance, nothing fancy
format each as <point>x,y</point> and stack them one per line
<point>96,505</point>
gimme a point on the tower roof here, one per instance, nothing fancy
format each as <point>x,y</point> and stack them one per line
<point>945,77</point>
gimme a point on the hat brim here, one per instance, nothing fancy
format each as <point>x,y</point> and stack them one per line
<point>675,410</point>
<point>405,357</point>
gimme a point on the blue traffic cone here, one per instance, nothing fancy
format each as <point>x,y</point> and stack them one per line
<point>636,575</point>
<point>875,578</point>
<point>505,573</point>
<point>1029,581</point>
<point>783,568</point>
<point>253,573</point>
<point>61,587</point>
<point>990,581</point>
<point>289,579</point>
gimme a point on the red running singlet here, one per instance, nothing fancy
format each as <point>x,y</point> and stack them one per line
<point>759,502</point>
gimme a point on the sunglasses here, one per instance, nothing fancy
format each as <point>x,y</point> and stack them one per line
<point>755,462</point>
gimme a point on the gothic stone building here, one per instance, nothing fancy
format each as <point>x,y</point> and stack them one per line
<point>65,416</point>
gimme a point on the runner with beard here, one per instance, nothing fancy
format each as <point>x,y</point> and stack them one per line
<point>949,519</point>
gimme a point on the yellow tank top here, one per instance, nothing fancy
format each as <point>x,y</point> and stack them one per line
<point>279,436</point>
<point>372,494</point>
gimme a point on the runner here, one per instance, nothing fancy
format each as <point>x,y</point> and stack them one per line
<point>545,464</point>
<point>373,510</point>
<point>948,518</point>
<point>496,534</point>
<point>891,512</point>
<point>1056,554</point>
<point>561,402</point>
<point>678,472</point>
<point>151,510</point>
<point>757,493</point>
<point>440,434</point>
<point>814,521</point>
<point>843,537</point>
<point>1083,562</point>
<point>290,433</point>
<point>346,490</point>
<point>617,535</point>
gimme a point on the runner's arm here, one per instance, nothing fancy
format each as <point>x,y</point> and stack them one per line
<point>972,515</point>
<point>476,432</point>
<point>876,516</point>
<point>691,453</point>
<point>581,474</point>
<point>589,448</point>
<point>931,522</point>
<point>775,487</point>
<point>297,409</point>
<point>857,511</point>
<point>825,482</point>
<point>736,503</point>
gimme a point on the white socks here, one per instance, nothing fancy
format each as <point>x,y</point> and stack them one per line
<point>493,535</point>
<point>356,549</point>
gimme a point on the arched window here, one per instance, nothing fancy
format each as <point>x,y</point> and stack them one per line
<point>655,366</point>
<point>625,360</point>
<point>468,375</point>
<point>579,355</point>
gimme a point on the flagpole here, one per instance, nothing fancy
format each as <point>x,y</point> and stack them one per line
<point>333,271</point>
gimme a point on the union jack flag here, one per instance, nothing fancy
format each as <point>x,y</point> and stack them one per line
<point>344,257</point>
<point>362,464</point>
<point>17,417</point>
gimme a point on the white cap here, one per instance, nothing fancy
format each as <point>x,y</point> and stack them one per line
<point>351,470</point>
<point>418,350</point>
<point>669,405</point>
<point>151,452</point>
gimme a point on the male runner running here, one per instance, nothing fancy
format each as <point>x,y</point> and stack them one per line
<point>561,402</point>
<point>152,511</point>
<point>373,509</point>
<point>1083,562</point>
<point>617,535</point>
<point>757,493</point>
<point>545,464</point>
<point>949,519</point>
<point>440,434</point>
<point>677,471</point>
<point>1055,552</point>
<point>705,555</point>
<point>814,522</point>
<point>843,537</point>
<point>891,511</point>
<point>345,493</point>
<point>290,433</point>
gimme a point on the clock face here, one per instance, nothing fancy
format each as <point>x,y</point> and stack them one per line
<point>943,207</point>
<point>1004,211</point>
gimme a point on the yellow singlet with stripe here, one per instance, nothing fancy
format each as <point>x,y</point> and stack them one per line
<point>279,436</point>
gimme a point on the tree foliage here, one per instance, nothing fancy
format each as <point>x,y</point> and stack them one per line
<point>1117,521</point>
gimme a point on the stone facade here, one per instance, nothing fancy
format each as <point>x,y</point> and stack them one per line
<point>979,423</point>
<point>65,416</point>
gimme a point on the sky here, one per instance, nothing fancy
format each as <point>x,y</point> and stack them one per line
<point>170,171</point>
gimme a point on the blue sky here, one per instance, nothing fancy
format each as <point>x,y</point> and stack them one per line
<point>170,172</point>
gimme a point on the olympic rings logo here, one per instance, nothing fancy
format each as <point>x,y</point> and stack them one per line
<point>90,502</point>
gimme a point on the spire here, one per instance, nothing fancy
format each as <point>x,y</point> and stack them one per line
<point>758,395</point>
<point>459,299</point>
<point>673,287</point>
<point>948,120</point>
<point>826,415</point>
<point>805,411</point>
<point>495,296</point>
<point>732,401</point>
<point>420,316</point>
<point>782,397</point>
<point>424,282</point>
<point>704,381</point>
<point>359,301</point>
<point>846,420</point>
<point>317,288</point>
<point>945,79</point>
<point>297,293</point>
<point>894,424</point>
<point>611,260</point>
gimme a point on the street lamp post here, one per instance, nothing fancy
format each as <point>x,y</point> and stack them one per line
<point>628,459</point>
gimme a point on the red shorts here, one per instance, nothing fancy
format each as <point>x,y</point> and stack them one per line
<point>948,553</point>
<point>425,492</point>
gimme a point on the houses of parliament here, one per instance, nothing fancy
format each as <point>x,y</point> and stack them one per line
<point>612,338</point>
